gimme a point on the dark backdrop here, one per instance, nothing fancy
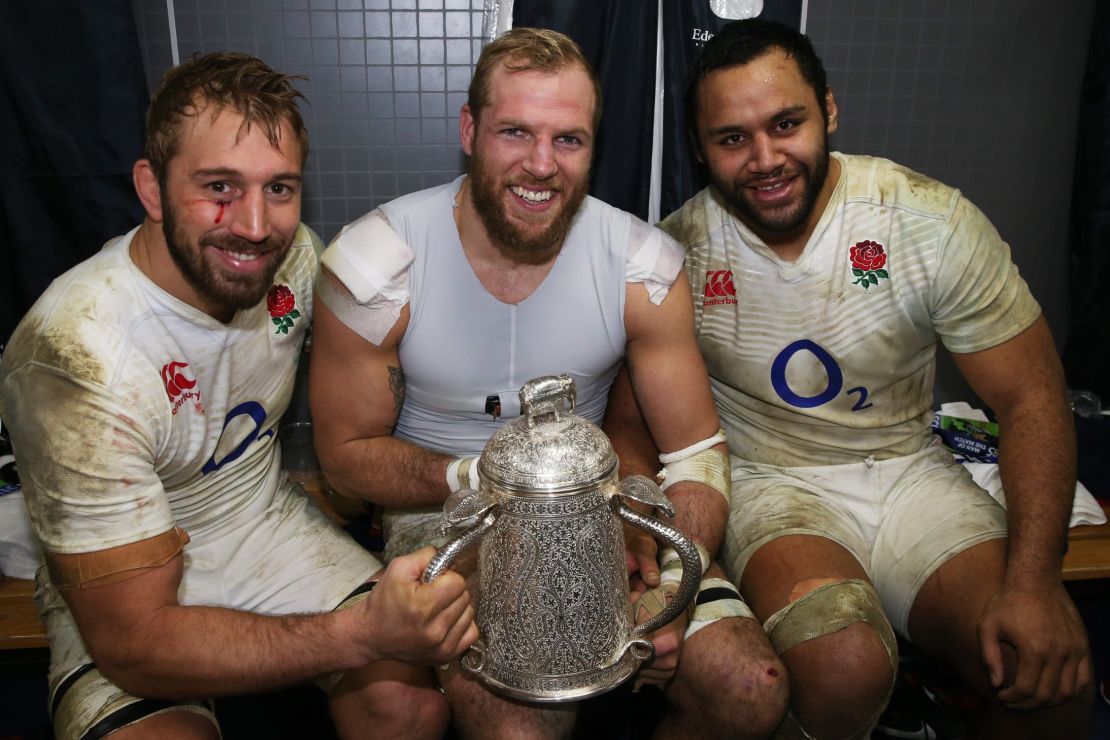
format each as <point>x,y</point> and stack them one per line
<point>72,97</point>
<point>1087,358</point>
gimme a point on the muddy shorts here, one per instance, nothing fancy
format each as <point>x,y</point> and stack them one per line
<point>901,518</point>
<point>291,561</point>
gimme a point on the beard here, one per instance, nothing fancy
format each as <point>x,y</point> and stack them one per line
<point>516,243</point>
<point>789,216</point>
<point>226,291</point>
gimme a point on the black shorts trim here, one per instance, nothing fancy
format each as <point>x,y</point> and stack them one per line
<point>364,588</point>
<point>126,715</point>
<point>67,684</point>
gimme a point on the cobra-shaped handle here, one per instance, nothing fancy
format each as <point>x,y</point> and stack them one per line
<point>451,550</point>
<point>687,552</point>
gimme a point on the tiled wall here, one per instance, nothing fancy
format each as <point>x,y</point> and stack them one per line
<point>386,81</point>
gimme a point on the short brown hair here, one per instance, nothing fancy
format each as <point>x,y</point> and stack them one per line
<point>224,79</point>
<point>523,49</point>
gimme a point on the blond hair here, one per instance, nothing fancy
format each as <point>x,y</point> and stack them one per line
<point>529,49</point>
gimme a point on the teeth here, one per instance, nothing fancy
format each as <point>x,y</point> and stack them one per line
<point>241,257</point>
<point>769,188</point>
<point>532,196</point>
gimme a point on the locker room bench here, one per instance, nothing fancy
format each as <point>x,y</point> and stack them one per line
<point>1088,558</point>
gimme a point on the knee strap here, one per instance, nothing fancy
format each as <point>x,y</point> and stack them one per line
<point>823,611</point>
<point>827,609</point>
<point>717,599</point>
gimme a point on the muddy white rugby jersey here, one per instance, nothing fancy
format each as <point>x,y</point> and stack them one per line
<point>830,358</point>
<point>132,412</point>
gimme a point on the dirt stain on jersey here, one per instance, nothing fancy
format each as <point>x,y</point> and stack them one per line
<point>61,350</point>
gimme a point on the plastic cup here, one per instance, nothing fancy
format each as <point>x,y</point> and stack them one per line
<point>298,455</point>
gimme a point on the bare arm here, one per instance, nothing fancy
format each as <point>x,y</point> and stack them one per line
<point>1022,381</point>
<point>671,388</point>
<point>149,645</point>
<point>356,390</point>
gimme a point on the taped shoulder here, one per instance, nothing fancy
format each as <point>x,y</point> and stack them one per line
<point>370,259</point>
<point>654,259</point>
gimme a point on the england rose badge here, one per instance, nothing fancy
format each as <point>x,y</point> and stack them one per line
<point>282,305</point>
<point>868,261</point>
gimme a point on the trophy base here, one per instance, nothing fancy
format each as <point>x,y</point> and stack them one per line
<point>554,689</point>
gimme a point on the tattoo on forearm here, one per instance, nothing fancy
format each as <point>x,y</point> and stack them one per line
<point>397,385</point>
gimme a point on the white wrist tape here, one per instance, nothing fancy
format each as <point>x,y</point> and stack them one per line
<point>462,474</point>
<point>672,457</point>
<point>670,565</point>
<point>700,464</point>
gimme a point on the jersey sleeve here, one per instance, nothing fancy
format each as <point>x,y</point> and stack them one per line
<point>86,462</point>
<point>979,300</point>
<point>372,263</point>
<point>654,259</point>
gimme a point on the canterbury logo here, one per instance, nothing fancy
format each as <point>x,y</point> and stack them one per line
<point>719,283</point>
<point>179,386</point>
<point>719,288</point>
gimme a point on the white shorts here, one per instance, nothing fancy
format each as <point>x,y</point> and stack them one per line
<point>293,560</point>
<point>901,518</point>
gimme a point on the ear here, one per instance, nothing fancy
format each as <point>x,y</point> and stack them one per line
<point>467,126</point>
<point>146,186</point>
<point>695,146</point>
<point>830,109</point>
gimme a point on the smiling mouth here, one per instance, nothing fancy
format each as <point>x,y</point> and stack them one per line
<point>532,196</point>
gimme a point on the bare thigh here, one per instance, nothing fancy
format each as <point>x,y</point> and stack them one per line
<point>172,725</point>
<point>944,617</point>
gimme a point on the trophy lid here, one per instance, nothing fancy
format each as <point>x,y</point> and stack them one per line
<point>548,449</point>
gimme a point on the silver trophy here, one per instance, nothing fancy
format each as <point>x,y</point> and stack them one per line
<point>553,606</point>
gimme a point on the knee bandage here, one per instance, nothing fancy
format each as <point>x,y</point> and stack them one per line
<point>462,474</point>
<point>699,463</point>
<point>823,611</point>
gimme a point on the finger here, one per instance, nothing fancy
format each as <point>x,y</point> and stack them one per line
<point>991,651</point>
<point>1024,687</point>
<point>649,571</point>
<point>454,611</point>
<point>443,590</point>
<point>455,636</point>
<point>410,567</point>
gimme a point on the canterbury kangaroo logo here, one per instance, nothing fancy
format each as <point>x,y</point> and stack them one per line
<point>719,283</point>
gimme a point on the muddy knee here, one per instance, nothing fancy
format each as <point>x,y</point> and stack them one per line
<point>841,683</point>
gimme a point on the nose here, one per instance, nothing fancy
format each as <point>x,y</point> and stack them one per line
<point>766,158</point>
<point>540,162</point>
<point>250,218</point>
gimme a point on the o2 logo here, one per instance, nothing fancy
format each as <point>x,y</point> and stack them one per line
<point>833,373</point>
<point>254,413</point>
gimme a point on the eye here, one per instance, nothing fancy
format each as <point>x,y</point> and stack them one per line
<point>512,133</point>
<point>569,140</point>
<point>732,140</point>
<point>219,187</point>
<point>785,125</point>
<point>282,189</point>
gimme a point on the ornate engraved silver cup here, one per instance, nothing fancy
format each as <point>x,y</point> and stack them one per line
<point>553,604</point>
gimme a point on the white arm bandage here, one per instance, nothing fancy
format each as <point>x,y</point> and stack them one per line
<point>371,262</point>
<point>699,463</point>
<point>462,474</point>
<point>654,259</point>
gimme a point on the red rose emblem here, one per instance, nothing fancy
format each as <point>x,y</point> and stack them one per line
<point>281,301</point>
<point>868,255</point>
